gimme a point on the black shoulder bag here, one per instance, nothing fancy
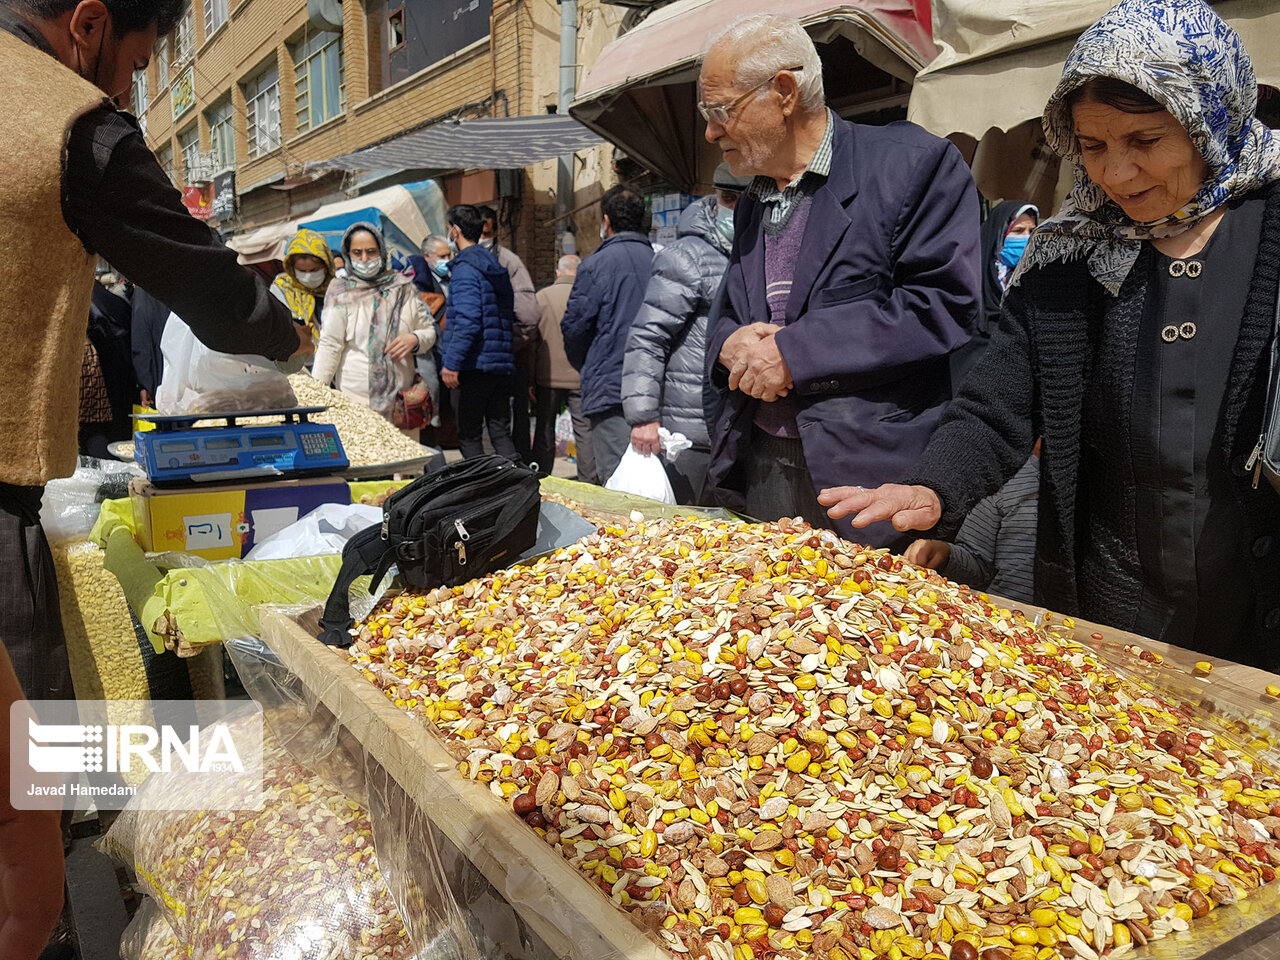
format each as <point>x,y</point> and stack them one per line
<point>450,526</point>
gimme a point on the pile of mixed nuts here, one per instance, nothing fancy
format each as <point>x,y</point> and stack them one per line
<point>761,740</point>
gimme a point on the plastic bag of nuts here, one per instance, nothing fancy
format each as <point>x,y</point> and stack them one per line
<point>298,880</point>
<point>763,741</point>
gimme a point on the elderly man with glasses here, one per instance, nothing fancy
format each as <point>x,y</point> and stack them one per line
<point>854,275</point>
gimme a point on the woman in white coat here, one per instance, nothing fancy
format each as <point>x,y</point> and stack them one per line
<point>374,325</point>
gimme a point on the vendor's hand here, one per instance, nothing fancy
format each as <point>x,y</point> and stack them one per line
<point>306,346</point>
<point>766,375</point>
<point>931,554</point>
<point>449,378</point>
<point>144,398</point>
<point>402,346</point>
<point>644,437</point>
<point>909,508</point>
<point>739,341</point>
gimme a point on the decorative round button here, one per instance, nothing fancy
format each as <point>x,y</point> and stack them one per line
<point>1177,268</point>
<point>1187,330</point>
<point>1169,334</point>
<point>1194,268</point>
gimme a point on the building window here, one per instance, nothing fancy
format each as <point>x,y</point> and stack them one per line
<point>184,36</point>
<point>222,137</point>
<point>395,29</point>
<point>262,112</point>
<point>215,15</point>
<point>138,97</point>
<point>319,90</point>
<point>164,157</point>
<point>162,62</point>
<point>189,145</point>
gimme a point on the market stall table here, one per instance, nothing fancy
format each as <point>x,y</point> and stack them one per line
<point>575,921</point>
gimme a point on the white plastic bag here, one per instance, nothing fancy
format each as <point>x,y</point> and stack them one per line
<point>71,504</point>
<point>642,474</point>
<point>199,380</point>
<point>324,530</point>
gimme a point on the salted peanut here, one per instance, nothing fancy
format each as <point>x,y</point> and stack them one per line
<point>761,740</point>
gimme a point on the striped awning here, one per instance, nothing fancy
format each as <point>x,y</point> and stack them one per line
<point>498,143</point>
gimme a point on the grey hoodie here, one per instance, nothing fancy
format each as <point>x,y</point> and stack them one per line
<point>665,363</point>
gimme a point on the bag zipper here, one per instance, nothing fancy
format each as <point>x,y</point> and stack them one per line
<point>461,543</point>
<point>1254,462</point>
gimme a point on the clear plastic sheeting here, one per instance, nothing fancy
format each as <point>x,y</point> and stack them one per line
<point>149,936</point>
<point>449,909</point>
<point>298,879</point>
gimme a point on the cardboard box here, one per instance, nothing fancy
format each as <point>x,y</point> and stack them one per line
<point>223,522</point>
<point>673,201</point>
<point>666,235</point>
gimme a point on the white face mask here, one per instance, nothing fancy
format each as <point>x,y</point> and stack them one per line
<point>489,243</point>
<point>309,278</point>
<point>366,269</point>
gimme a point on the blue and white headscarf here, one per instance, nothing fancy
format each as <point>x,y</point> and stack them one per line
<point>1192,62</point>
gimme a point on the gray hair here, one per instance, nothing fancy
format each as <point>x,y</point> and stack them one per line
<point>568,263</point>
<point>769,42</point>
<point>433,241</point>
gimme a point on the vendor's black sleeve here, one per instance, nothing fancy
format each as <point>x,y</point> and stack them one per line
<point>121,205</point>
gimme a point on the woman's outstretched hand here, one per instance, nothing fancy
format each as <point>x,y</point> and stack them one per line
<point>908,508</point>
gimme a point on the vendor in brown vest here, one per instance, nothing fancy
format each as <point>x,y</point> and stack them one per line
<point>81,179</point>
<point>68,67</point>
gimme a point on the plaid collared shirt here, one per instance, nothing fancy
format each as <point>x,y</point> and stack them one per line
<point>780,204</point>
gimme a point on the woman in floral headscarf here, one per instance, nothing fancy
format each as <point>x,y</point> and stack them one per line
<point>1133,338</point>
<point>308,268</point>
<point>374,325</point>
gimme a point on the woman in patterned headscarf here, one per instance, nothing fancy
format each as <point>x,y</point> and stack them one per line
<point>1133,338</point>
<point>308,268</point>
<point>374,325</point>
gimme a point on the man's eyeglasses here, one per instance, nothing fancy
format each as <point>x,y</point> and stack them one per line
<point>721,112</point>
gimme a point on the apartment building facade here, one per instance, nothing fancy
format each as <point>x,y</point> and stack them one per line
<point>244,95</point>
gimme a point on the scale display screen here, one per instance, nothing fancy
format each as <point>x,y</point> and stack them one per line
<point>228,443</point>
<point>266,441</point>
<point>177,447</point>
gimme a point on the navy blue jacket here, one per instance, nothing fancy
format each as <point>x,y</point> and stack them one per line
<point>886,287</point>
<point>605,299</point>
<point>479,315</point>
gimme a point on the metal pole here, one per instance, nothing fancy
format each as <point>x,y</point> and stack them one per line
<point>568,83</point>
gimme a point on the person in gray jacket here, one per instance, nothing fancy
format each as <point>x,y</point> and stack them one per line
<point>664,370</point>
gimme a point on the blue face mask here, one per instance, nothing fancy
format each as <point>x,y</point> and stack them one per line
<point>724,222</point>
<point>1014,247</point>
<point>442,269</point>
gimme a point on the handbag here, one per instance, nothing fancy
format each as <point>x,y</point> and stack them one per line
<point>1265,459</point>
<point>412,409</point>
<point>447,527</point>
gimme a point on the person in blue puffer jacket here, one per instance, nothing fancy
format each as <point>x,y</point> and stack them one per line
<point>479,359</point>
<point>604,300</point>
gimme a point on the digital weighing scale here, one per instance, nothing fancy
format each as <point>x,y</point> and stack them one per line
<point>178,452</point>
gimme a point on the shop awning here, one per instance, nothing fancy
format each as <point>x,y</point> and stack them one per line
<point>262,244</point>
<point>412,210</point>
<point>999,62</point>
<point>641,91</point>
<point>490,143</point>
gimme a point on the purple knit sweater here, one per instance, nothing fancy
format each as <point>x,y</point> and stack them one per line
<point>781,254</point>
